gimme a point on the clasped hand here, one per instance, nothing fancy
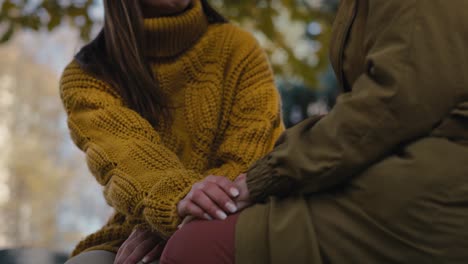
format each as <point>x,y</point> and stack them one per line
<point>212,198</point>
<point>215,197</point>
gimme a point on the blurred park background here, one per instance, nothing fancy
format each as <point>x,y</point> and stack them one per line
<point>48,199</point>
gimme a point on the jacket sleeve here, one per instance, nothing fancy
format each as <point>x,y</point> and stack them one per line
<point>416,73</point>
<point>124,152</point>
<point>255,120</point>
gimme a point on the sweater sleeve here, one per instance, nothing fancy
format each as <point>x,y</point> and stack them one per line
<point>124,152</point>
<point>255,120</point>
<point>415,76</point>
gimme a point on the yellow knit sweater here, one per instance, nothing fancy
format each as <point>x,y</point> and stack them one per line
<point>228,116</point>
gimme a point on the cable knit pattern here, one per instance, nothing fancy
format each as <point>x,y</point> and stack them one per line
<point>227,116</point>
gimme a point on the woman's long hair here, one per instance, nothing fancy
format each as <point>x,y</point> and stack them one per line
<point>117,57</point>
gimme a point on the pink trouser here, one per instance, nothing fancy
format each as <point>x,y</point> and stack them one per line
<point>202,242</point>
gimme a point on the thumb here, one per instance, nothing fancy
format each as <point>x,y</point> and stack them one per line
<point>241,177</point>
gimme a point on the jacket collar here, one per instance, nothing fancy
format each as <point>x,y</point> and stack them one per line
<point>341,28</point>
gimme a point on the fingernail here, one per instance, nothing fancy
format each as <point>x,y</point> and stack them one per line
<point>208,217</point>
<point>234,192</point>
<point>231,207</point>
<point>221,215</point>
<point>145,260</point>
<point>179,226</point>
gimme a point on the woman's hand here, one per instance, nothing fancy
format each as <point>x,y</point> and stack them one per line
<point>239,192</point>
<point>141,245</point>
<point>210,199</point>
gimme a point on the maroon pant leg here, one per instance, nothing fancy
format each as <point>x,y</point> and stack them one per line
<point>208,242</point>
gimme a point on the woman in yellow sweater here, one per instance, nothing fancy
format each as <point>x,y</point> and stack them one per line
<point>167,94</point>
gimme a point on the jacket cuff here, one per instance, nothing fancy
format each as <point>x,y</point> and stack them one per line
<point>263,181</point>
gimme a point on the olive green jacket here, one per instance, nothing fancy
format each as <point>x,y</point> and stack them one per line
<point>383,178</point>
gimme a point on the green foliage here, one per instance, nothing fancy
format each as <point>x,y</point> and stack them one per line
<point>264,17</point>
<point>46,14</point>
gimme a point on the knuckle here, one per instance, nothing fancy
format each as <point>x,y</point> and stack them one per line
<point>220,180</point>
<point>224,182</point>
<point>210,177</point>
<point>229,183</point>
<point>182,207</point>
<point>197,194</point>
<point>182,203</point>
<point>209,186</point>
<point>200,186</point>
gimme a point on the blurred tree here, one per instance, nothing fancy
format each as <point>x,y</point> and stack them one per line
<point>296,99</point>
<point>44,14</point>
<point>47,197</point>
<point>31,139</point>
<point>295,33</point>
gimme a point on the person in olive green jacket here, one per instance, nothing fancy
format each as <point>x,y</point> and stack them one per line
<point>383,178</point>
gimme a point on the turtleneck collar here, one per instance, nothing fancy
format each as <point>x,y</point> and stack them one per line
<point>172,35</point>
